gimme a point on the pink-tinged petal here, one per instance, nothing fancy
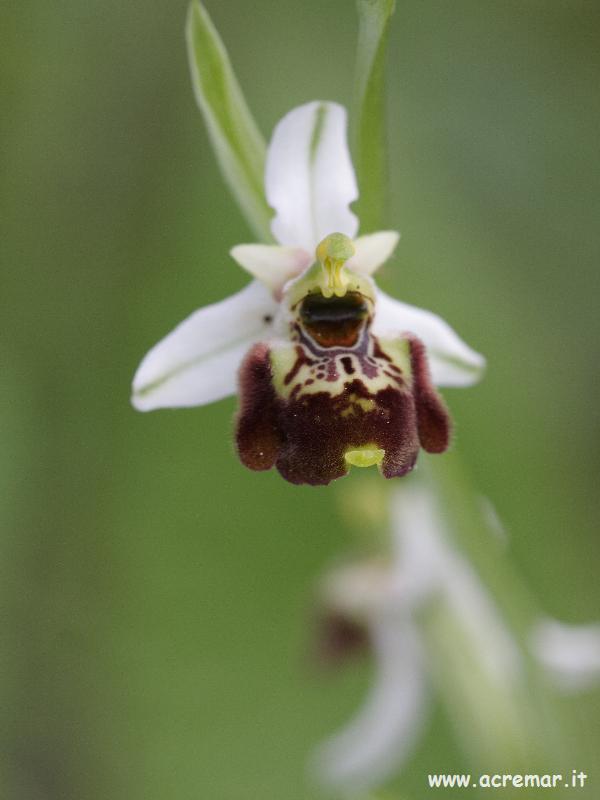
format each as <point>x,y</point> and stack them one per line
<point>272,264</point>
<point>198,361</point>
<point>309,178</point>
<point>451,361</point>
<point>372,250</point>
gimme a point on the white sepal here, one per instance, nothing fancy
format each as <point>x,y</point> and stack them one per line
<point>197,362</point>
<point>309,177</point>
<point>452,362</point>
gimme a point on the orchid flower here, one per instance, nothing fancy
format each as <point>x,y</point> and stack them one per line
<point>331,371</point>
<point>470,656</point>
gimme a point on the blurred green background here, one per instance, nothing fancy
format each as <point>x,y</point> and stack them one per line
<point>155,595</point>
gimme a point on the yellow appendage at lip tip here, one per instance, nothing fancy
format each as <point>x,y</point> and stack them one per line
<point>332,253</point>
<point>365,456</point>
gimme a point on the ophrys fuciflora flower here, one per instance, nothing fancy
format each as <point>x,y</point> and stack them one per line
<point>331,371</point>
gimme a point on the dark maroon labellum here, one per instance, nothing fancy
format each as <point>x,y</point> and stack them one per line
<point>356,400</point>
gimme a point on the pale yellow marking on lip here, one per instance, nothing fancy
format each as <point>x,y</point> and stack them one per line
<point>356,402</point>
<point>283,357</point>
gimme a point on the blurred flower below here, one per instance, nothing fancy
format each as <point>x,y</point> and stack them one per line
<point>433,626</point>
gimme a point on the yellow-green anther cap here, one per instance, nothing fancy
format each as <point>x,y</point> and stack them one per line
<point>332,253</point>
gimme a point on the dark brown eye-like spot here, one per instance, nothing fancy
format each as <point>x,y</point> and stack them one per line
<point>334,321</point>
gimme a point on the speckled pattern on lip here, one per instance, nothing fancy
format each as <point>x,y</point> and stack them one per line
<point>304,407</point>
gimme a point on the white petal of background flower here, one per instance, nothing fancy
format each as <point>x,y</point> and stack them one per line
<point>372,250</point>
<point>309,177</point>
<point>272,264</point>
<point>197,362</point>
<point>451,361</point>
<point>571,653</point>
<point>428,563</point>
<point>382,735</point>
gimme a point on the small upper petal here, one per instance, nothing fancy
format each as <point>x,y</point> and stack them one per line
<point>272,264</point>
<point>197,362</point>
<point>309,177</point>
<point>372,250</point>
<point>452,362</point>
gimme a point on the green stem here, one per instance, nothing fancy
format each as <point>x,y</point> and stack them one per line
<point>237,142</point>
<point>369,136</point>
